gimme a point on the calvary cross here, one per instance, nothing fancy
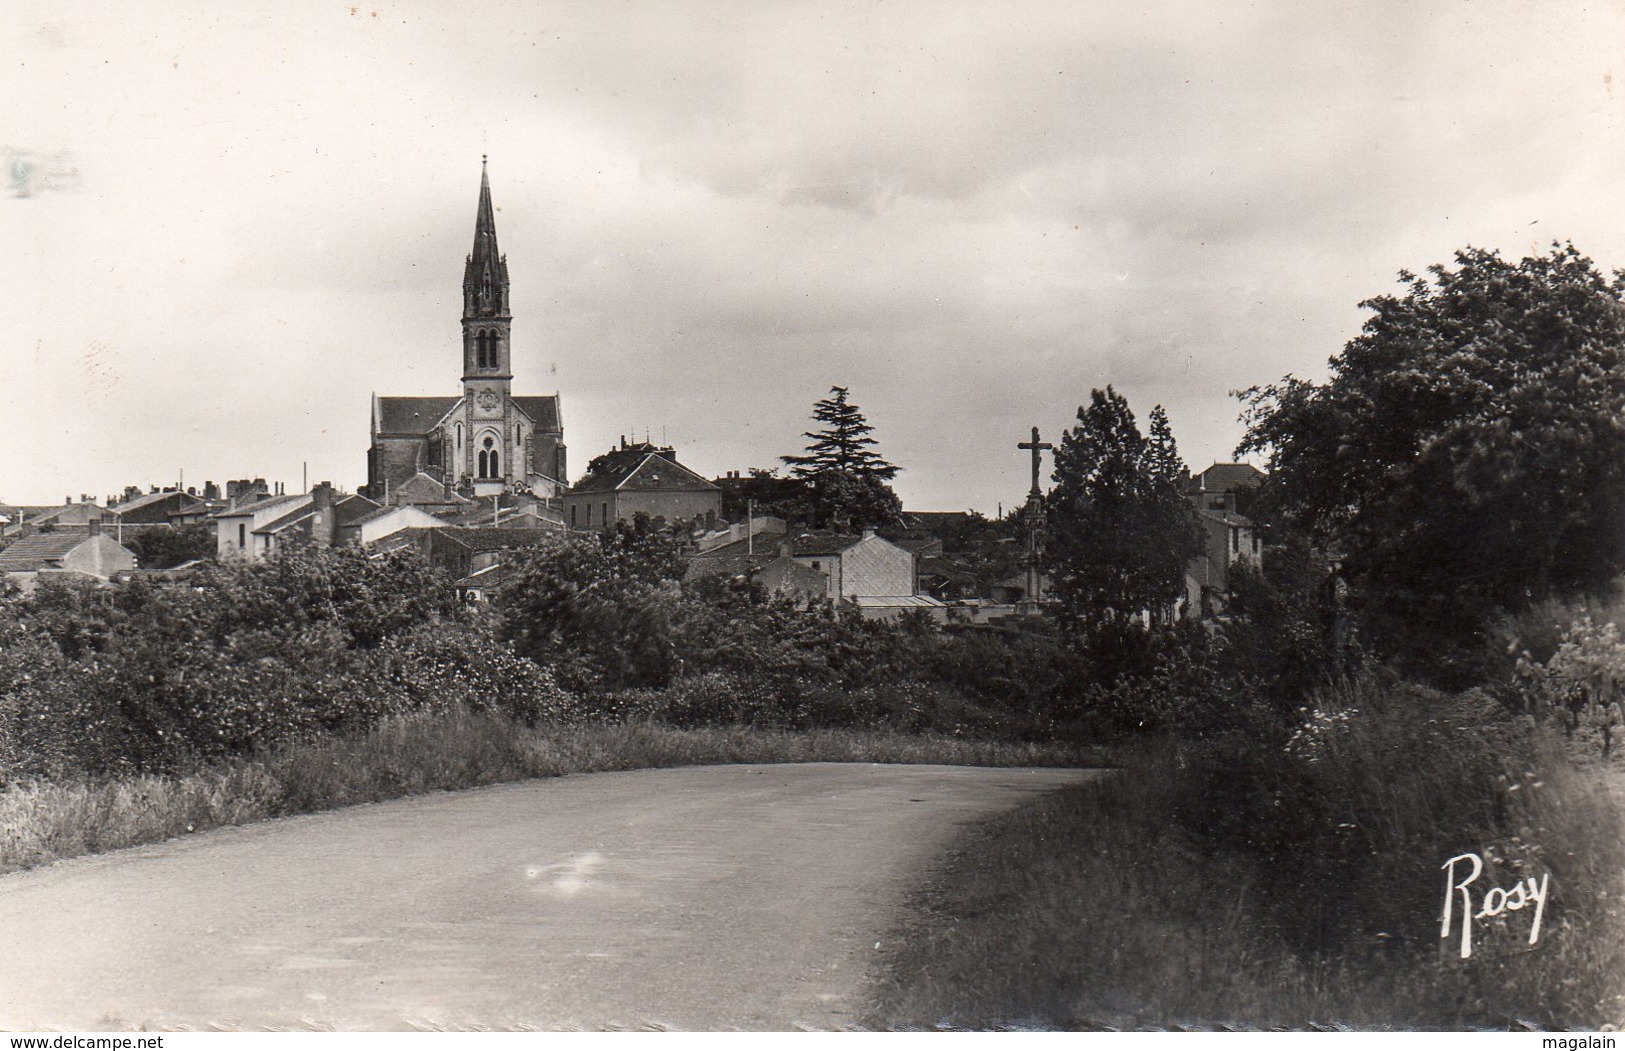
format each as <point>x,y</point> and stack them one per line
<point>1038,448</point>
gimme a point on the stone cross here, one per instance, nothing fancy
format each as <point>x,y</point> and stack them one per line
<point>1038,448</point>
<point>1031,604</point>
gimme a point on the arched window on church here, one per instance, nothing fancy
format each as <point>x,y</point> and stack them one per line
<point>490,459</point>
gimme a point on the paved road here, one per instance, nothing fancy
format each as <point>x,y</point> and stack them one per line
<point>728,897</point>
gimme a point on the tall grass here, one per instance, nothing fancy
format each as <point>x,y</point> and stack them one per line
<point>1256,884</point>
<point>426,752</point>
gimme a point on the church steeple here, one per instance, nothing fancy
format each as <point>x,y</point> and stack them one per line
<point>485,296</point>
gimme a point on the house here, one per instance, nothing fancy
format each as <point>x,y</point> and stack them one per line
<point>375,523</point>
<point>779,575</point>
<point>1225,487</point>
<point>461,551</point>
<point>260,526</point>
<point>1218,494</point>
<point>169,507</point>
<point>91,555</point>
<point>65,517</point>
<point>640,479</point>
<point>759,526</point>
<point>481,584</point>
<point>867,571</point>
<point>506,511</point>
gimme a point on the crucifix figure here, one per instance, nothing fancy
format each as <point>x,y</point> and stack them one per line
<point>1038,448</point>
<point>1031,600</point>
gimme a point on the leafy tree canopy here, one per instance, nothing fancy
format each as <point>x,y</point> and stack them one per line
<point>163,548</point>
<point>1120,529</point>
<point>1468,448</point>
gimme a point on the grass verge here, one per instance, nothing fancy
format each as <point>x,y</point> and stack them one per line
<point>1134,903</point>
<point>409,755</point>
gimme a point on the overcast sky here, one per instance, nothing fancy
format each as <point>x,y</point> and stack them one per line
<point>970,214</point>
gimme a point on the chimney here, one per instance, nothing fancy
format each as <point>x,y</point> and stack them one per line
<point>93,526</point>
<point>787,548</point>
<point>868,531</point>
<point>325,530</point>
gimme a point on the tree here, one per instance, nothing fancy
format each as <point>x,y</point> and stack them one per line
<point>843,445</point>
<point>1120,529</point>
<point>163,547</point>
<point>1467,451</point>
<point>846,478</point>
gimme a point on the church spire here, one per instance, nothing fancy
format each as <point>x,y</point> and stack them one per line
<point>485,275</point>
<point>485,296</point>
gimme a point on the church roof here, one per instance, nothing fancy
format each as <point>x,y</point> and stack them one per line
<point>412,415</point>
<point>543,410</point>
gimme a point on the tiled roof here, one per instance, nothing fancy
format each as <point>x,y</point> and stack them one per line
<point>708,565</point>
<point>371,516</point>
<point>353,510</point>
<point>401,538</point>
<point>33,553</point>
<point>412,415</point>
<point>262,504</point>
<point>1227,478</point>
<point>489,539</point>
<point>642,468</point>
<point>489,577</point>
<point>294,517</point>
<point>805,545</point>
<point>421,488</point>
<point>182,501</point>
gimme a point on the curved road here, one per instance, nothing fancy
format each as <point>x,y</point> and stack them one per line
<point>728,897</point>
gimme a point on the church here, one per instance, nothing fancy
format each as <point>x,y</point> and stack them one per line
<point>439,450</point>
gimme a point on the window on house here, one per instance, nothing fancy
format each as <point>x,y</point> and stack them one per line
<point>818,565</point>
<point>242,534</point>
<point>572,516</point>
<point>605,521</point>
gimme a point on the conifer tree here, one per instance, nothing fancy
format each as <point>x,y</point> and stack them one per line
<point>845,478</point>
<point>843,445</point>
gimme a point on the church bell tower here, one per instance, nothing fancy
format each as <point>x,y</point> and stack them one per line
<point>489,455</point>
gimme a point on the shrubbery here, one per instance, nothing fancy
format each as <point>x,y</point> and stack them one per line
<point>158,677</point>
